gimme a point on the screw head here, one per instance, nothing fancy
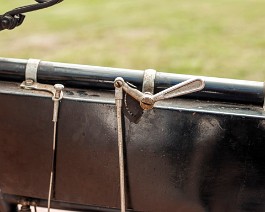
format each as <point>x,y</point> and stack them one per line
<point>118,82</point>
<point>147,103</point>
<point>29,82</point>
<point>58,90</point>
<point>58,87</point>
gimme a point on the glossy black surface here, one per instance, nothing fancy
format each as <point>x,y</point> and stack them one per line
<point>25,145</point>
<point>83,76</point>
<point>185,155</point>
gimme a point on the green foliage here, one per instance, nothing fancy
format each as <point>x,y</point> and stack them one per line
<point>214,38</point>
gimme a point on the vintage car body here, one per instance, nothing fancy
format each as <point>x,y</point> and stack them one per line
<point>199,152</point>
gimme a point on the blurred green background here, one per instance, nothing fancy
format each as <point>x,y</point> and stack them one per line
<point>222,38</point>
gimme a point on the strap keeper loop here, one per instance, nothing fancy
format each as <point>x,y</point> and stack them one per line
<point>149,81</point>
<point>32,69</point>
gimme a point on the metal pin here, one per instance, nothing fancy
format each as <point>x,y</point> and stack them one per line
<point>118,100</point>
<point>56,99</point>
<point>58,90</point>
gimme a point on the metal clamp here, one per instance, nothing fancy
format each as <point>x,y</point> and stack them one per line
<point>29,84</point>
<point>148,100</point>
<point>32,69</point>
<point>149,81</point>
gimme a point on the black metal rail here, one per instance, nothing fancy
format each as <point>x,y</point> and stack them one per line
<point>84,76</point>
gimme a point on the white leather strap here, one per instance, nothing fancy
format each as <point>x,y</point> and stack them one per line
<point>149,81</point>
<point>32,69</point>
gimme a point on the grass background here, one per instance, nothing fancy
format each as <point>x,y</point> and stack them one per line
<point>222,38</point>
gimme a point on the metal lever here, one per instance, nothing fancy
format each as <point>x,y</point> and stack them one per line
<point>118,100</point>
<point>148,100</point>
<point>57,93</point>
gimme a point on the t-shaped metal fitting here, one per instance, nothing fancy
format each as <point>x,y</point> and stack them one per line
<point>147,100</point>
<point>58,90</point>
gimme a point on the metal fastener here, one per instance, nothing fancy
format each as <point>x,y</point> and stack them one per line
<point>58,90</point>
<point>29,82</point>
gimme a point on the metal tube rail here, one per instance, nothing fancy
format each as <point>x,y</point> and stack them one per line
<point>85,76</point>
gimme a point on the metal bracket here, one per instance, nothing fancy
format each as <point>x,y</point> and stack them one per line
<point>25,205</point>
<point>148,100</point>
<point>32,69</point>
<point>57,93</point>
<point>149,81</point>
<point>29,84</point>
